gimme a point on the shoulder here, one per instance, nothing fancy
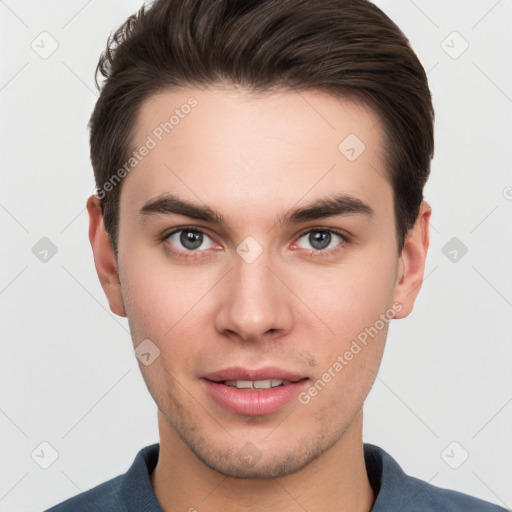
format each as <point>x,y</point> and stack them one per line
<point>395,490</point>
<point>105,496</point>
<point>434,498</point>
<point>129,491</point>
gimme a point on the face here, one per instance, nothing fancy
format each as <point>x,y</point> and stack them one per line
<point>274,260</point>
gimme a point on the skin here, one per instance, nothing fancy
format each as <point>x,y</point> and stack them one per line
<point>253,158</point>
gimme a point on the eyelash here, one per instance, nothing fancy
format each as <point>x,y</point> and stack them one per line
<point>315,253</point>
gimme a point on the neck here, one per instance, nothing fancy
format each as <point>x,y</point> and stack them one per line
<point>336,480</point>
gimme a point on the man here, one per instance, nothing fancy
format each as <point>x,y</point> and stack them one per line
<point>259,219</point>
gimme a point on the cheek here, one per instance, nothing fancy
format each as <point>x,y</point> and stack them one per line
<point>164,303</point>
<point>160,307</point>
<point>350,302</point>
<point>351,296</point>
<point>345,375</point>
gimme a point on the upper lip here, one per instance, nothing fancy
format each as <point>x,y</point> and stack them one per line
<point>239,373</point>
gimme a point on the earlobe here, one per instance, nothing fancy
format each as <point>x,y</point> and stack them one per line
<point>411,266</point>
<point>104,259</point>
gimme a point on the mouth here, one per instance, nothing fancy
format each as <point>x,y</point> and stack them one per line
<point>253,392</point>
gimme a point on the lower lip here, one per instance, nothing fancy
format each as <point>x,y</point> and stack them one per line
<point>253,402</point>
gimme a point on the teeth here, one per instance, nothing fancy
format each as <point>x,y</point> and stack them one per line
<point>266,384</point>
<point>255,384</point>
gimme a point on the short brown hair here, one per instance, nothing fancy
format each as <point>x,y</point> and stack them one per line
<point>347,48</point>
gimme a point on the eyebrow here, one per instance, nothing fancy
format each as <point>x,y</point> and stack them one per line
<point>332,206</point>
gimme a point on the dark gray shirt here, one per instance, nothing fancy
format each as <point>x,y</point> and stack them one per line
<point>394,490</point>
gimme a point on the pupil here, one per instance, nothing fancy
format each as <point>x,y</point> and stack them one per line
<point>191,239</point>
<point>320,240</point>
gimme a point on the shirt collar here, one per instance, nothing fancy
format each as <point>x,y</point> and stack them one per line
<point>393,489</point>
<point>136,490</point>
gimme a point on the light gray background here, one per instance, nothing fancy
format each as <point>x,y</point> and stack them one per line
<point>68,373</point>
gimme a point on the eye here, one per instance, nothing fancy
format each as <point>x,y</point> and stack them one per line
<point>189,240</point>
<point>322,240</point>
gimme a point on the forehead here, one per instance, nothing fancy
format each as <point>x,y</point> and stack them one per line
<point>238,150</point>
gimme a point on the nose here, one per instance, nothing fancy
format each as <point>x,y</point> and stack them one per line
<point>255,301</point>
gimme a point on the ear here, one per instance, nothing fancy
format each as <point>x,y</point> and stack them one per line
<point>411,266</point>
<point>104,258</point>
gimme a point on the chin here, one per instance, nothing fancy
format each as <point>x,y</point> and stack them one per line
<point>252,464</point>
<point>259,471</point>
